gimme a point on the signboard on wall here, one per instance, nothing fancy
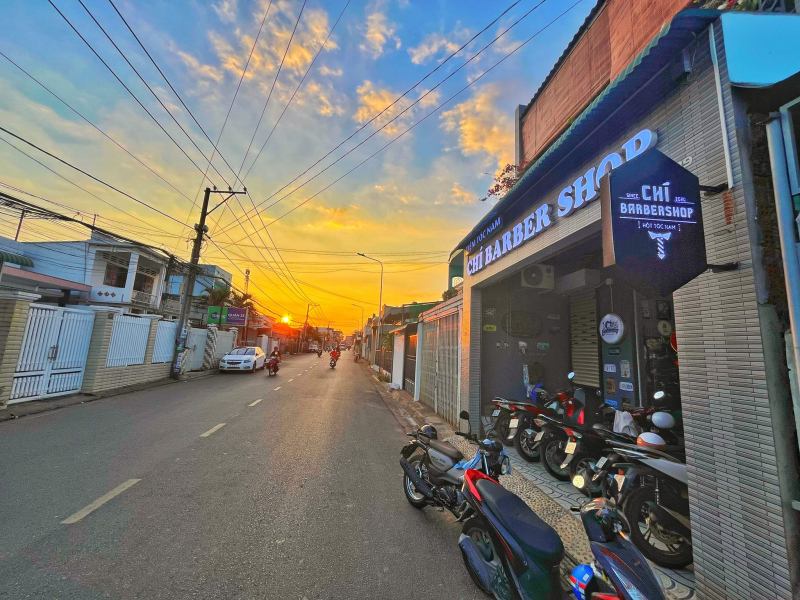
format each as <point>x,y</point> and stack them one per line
<point>229,314</point>
<point>235,316</point>
<point>653,223</point>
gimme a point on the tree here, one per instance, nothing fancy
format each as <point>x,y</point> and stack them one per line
<point>504,180</point>
<point>242,300</point>
<point>218,295</point>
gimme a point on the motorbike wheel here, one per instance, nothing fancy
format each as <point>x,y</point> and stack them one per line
<point>660,545</point>
<point>483,540</point>
<point>525,449</point>
<point>553,455</point>
<point>500,427</point>
<point>414,498</point>
<point>583,465</point>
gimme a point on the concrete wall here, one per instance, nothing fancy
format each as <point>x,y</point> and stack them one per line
<point>14,307</point>
<point>98,377</point>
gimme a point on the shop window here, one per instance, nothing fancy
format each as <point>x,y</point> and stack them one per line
<point>115,275</point>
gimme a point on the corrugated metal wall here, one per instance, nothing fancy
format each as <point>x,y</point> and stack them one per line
<point>440,369</point>
<point>583,339</point>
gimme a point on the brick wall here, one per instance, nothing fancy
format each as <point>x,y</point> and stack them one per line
<point>620,30</point>
<point>98,377</point>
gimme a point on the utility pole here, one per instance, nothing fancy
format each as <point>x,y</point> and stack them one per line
<point>246,308</point>
<point>380,306</point>
<point>188,289</point>
<point>305,326</point>
<point>19,226</point>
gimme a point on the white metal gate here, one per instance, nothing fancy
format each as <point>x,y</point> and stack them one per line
<point>53,354</point>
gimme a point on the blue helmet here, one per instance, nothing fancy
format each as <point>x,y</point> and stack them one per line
<point>580,580</point>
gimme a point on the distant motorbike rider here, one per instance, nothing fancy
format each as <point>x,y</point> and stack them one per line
<point>335,354</point>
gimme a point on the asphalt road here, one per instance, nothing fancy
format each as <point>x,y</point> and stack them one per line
<point>297,496</point>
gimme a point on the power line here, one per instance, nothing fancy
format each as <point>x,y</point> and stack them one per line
<point>124,85</point>
<point>272,87</point>
<point>423,119</point>
<point>95,126</point>
<point>180,99</point>
<point>394,102</point>
<point>150,89</point>
<point>90,176</point>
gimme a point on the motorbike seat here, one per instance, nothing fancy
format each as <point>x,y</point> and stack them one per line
<point>447,449</point>
<point>536,537</point>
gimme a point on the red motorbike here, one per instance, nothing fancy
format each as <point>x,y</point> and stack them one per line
<point>515,419</point>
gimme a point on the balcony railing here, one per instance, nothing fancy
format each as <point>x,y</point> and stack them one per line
<point>142,297</point>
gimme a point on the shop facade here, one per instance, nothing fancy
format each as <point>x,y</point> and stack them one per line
<point>542,295</point>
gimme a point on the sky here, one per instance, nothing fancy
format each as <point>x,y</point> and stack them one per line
<point>334,158</point>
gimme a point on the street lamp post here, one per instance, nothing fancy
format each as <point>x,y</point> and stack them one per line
<point>360,329</point>
<point>380,297</point>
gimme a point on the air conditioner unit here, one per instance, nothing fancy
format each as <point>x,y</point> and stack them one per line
<point>540,277</point>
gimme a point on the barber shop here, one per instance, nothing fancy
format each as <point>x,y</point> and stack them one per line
<point>637,258</point>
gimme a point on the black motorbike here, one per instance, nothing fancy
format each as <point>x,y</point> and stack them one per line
<point>651,485</point>
<point>510,552</point>
<point>433,470</point>
<point>332,363</point>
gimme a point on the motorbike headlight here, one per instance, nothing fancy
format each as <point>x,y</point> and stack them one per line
<point>505,466</point>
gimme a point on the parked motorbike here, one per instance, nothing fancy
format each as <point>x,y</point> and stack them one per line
<point>510,552</point>
<point>514,419</point>
<point>272,366</point>
<point>319,353</point>
<point>649,480</point>
<point>433,470</point>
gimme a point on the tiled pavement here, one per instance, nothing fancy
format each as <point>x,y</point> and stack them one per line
<point>549,498</point>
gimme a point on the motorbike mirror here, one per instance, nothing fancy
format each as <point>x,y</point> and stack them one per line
<point>464,415</point>
<point>659,395</point>
<point>571,375</point>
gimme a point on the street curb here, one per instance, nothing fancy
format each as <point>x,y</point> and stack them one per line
<point>35,407</point>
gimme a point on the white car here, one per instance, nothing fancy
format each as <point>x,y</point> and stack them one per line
<point>244,358</point>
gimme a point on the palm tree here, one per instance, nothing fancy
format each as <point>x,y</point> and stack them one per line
<point>243,300</point>
<point>219,294</point>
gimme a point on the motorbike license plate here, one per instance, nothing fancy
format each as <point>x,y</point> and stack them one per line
<point>570,447</point>
<point>601,463</point>
<point>513,423</point>
<point>620,479</point>
<point>496,413</point>
<point>539,436</point>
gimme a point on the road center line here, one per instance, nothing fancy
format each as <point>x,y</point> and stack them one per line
<point>291,380</point>
<point>277,388</point>
<point>212,430</point>
<point>254,402</point>
<point>90,508</point>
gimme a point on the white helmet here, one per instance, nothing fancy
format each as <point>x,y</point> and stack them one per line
<point>648,439</point>
<point>663,420</point>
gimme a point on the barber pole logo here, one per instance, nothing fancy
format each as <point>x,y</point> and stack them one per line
<point>660,239</point>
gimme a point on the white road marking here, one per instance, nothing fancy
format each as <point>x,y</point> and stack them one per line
<point>277,388</point>
<point>254,402</point>
<point>291,380</point>
<point>90,508</point>
<point>212,430</point>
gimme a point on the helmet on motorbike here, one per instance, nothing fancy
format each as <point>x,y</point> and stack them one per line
<point>429,431</point>
<point>581,580</point>
<point>648,439</point>
<point>663,420</point>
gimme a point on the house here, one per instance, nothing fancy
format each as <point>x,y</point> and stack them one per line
<point>207,278</point>
<point>117,272</point>
<point>19,271</point>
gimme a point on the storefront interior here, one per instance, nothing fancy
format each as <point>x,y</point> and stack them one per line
<point>542,321</point>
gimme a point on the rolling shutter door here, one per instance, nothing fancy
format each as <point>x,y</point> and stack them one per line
<point>583,339</point>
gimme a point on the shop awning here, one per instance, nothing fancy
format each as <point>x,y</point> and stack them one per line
<point>649,64</point>
<point>15,259</point>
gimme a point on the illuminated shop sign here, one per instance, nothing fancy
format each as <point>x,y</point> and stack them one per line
<point>653,223</point>
<point>573,197</point>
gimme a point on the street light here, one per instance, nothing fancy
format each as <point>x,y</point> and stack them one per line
<point>380,297</point>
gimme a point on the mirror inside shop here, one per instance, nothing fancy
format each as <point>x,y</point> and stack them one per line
<point>579,370</point>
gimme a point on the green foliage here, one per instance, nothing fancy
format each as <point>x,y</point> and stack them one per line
<point>219,295</point>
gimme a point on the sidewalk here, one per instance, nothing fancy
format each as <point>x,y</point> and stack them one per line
<point>549,498</point>
<point>33,407</point>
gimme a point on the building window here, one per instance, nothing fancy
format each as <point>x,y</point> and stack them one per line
<point>115,276</point>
